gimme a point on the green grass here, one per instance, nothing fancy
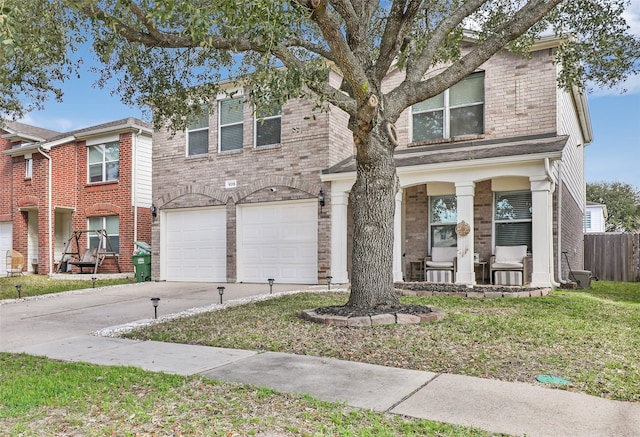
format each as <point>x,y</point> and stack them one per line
<point>590,337</point>
<point>46,397</point>
<point>35,285</point>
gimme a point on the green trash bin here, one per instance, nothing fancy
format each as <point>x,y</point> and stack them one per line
<point>142,265</point>
<point>142,261</point>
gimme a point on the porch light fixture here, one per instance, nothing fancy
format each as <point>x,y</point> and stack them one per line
<point>155,301</point>
<point>220,292</point>
<point>154,211</point>
<point>19,289</point>
<point>329,278</point>
<point>321,199</point>
<point>93,282</point>
<point>271,281</point>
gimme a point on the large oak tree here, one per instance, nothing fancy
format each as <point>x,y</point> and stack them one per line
<point>171,54</point>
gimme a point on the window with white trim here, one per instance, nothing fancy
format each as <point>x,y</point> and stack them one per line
<point>443,216</point>
<point>512,218</point>
<point>268,123</point>
<point>198,134</point>
<point>586,222</point>
<point>458,111</point>
<point>104,162</point>
<point>230,117</point>
<point>28,168</point>
<point>109,223</point>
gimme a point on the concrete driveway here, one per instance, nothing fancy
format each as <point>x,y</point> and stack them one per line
<point>41,319</point>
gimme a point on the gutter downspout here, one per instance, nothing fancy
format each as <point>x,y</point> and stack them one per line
<point>134,149</point>
<point>562,281</point>
<point>49,208</point>
<point>554,185</point>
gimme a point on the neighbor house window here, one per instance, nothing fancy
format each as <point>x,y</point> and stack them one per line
<point>268,126</point>
<point>112,225</point>
<point>104,162</point>
<point>456,112</point>
<point>512,218</point>
<point>198,134</point>
<point>443,216</point>
<point>28,168</point>
<point>586,221</point>
<point>230,117</point>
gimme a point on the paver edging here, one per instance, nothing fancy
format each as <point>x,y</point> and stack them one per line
<point>374,320</point>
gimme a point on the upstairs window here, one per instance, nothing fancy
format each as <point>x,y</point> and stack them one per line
<point>512,218</point>
<point>198,134</point>
<point>443,216</point>
<point>104,162</point>
<point>230,122</point>
<point>268,124</point>
<point>28,168</point>
<point>109,223</point>
<point>456,112</point>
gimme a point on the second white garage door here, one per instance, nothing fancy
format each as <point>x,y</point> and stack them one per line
<point>5,238</point>
<point>279,241</point>
<point>195,245</point>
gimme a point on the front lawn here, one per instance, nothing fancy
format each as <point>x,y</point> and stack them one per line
<point>590,337</point>
<point>35,285</point>
<point>45,397</point>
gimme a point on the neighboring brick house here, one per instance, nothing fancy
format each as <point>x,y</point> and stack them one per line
<point>93,178</point>
<point>503,151</point>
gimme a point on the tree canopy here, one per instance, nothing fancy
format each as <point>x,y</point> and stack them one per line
<point>172,55</point>
<point>622,202</point>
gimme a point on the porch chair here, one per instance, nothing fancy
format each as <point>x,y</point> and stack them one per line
<point>15,262</point>
<point>441,265</point>
<point>507,266</point>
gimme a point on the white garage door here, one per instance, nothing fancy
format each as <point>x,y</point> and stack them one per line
<point>195,245</point>
<point>5,238</point>
<point>279,241</point>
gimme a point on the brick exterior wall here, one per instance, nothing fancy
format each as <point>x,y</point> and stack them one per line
<point>71,191</point>
<point>311,141</point>
<point>572,233</point>
<point>520,98</point>
<point>6,178</point>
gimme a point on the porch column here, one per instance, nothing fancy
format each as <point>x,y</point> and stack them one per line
<point>465,273</point>
<point>339,202</point>
<point>541,231</point>
<point>397,238</point>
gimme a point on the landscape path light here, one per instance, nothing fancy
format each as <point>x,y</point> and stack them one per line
<point>271,281</point>
<point>155,301</point>
<point>19,289</point>
<point>221,292</point>
<point>329,278</point>
<point>93,281</point>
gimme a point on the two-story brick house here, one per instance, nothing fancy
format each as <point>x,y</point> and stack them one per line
<point>502,151</point>
<point>93,178</point>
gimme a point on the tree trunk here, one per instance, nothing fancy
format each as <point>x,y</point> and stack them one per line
<point>373,200</point>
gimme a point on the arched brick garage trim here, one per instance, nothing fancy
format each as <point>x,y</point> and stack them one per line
<point>198,189</point>
<point>313,189</point>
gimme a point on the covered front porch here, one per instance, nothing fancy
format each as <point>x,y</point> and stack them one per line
<point>504,201</point>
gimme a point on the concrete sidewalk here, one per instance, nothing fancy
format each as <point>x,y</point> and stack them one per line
<point>60,327</point>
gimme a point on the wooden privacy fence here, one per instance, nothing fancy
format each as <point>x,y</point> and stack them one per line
<point>613,256</point>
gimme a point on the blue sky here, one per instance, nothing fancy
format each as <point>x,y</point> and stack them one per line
<point>613,156</point>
